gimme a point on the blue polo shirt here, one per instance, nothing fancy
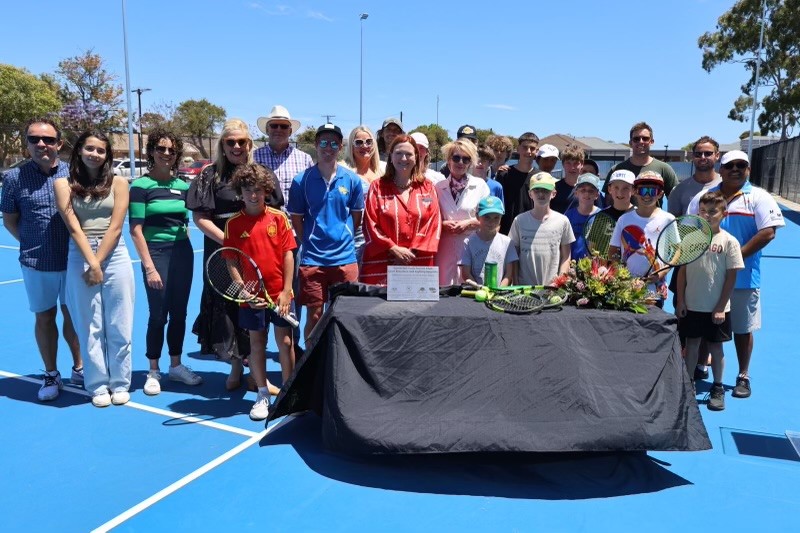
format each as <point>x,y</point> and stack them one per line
<point>326,208</point>
<point>43,236</point>
<point>749,211</point>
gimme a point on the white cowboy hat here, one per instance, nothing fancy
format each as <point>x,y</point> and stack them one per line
<point>278,113</point>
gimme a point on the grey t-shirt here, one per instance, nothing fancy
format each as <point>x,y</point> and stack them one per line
<point>478,252</point>
<point>679,198</point>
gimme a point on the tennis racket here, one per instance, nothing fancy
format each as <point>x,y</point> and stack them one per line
<point>597,233</point>
<point>553,297</point>
<point>682,241</point>
<point>235,276</point>
<point>515,303</point>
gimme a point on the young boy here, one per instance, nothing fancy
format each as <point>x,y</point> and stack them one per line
<point>541,236</point>
<point>636,234</point>
<point>704,292</point>
<point>620,189</point>
<point>264,234</point>
<point>482,167</point>
<point>572,158</point>
<point>587,192</point>
<point>487,244</point>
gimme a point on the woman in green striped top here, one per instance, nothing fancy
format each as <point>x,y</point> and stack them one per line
<point>159,224</point>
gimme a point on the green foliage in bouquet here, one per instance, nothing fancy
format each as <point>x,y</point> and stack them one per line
<point>592,282</point>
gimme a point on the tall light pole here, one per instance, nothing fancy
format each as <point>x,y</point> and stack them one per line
<point>758,70</point>
<point>127,81</point>
<point>139,92</point>
<point>362,17</point>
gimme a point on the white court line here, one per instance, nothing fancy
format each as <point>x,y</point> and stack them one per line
<point>163,493</point>
<point>6,247</point>
<point>146,408</point>
<point>11,281</point>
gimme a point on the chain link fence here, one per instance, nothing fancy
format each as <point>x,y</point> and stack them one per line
<point>776,168</point>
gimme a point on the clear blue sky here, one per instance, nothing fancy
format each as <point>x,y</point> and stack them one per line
<point>584,68</point>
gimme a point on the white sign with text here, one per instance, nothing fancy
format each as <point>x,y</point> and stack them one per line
<point>413,283</point>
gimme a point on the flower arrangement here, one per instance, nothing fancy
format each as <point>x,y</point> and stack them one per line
<point>592,282</point>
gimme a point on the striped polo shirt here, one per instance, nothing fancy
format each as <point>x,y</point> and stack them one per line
<point>160,207</point>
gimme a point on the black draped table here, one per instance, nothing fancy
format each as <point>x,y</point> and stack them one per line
<point>454,376</point>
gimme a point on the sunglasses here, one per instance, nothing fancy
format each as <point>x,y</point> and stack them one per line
<point>461,159</point>
<point>648,191</point>
<point>362,142</point>
<point>703,154</point>
<point>169,150</point>
<point>275,126</point>
<point>324,143</point>
<point>235,142</point>
<point>49,141</point>
<point>741,165</point>
<point>641,139</point>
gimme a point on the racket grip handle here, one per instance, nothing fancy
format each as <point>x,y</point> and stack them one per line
<point>290,318</point>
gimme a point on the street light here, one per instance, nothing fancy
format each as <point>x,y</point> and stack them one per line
<point>139,92</point>
<point>666,147</point>
<point>362,17</point>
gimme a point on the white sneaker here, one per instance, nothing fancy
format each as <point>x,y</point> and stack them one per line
<point>101,400</point>
<point>51,384</point>
<point>120,397</point>
<point>260,409</point>
<point>153,384</point>
<point>184,374</point>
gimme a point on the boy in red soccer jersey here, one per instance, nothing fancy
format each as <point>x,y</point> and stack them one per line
<point>265,234</point>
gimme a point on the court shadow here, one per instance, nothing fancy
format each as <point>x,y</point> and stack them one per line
<point>24,391</point>
<point>542,476</point>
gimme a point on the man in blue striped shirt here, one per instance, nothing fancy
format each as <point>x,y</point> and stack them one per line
<point>30,215</point>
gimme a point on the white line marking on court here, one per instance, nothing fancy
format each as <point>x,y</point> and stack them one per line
<point>146,408</point>
<point>6,247</point>
<point>163,493</point>
<point>11,281</point>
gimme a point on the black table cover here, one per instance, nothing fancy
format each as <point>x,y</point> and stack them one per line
<point>453,376</point>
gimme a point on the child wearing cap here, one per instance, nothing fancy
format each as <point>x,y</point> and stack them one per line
<point>704,292</point>
<point>636,234</point>
<point>541,236</point>
<point>587,192</point>
<point>488,245</point>
<point>620,189</point>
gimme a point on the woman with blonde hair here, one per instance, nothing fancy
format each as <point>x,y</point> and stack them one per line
<point>459,195</point>
<point>213,201</point>
<point>402,224</point>
<point>361,156</point>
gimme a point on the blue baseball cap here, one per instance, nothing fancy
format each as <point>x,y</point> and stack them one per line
<point>491,204</point>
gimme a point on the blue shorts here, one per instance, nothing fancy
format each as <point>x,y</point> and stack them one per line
<point>45,289</point>
<point>258,319</point>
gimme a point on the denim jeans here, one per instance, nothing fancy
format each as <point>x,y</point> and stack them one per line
<point>174,262</point>
<point>103,318</point>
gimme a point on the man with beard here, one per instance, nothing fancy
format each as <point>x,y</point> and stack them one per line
<point>705,154</point>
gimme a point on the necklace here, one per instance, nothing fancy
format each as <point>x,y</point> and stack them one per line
<point>402,187</point>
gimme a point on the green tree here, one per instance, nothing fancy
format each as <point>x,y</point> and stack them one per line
<point>735,40</point>
<point>91,96</point>
<point>484,134</point>
<point>437,137</point>
<point>196,120</point>
<point>305,141</point>
<point>22,97</point>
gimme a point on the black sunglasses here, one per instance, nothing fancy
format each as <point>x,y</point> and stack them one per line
<point>275,126</point>
<point>641,139</point>
<point>741,165</point>
<point>704,154</point>
<point>167,150</point>
<point>236,142</point>
<point>49,141</point>
<point>461,159</point>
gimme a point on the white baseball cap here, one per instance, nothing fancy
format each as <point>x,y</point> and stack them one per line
<point>734,155</point>
<point>623,175</point>
<point>547,150</point>
<point>420,139</point>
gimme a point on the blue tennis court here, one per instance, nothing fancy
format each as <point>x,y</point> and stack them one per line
<point>191,459</point>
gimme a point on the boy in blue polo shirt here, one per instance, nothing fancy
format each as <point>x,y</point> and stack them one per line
<point>322,201</point>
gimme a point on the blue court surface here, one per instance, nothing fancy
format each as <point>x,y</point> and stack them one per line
<point>191,459</point>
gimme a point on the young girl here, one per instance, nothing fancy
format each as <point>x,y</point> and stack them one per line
<point>99,288</point>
